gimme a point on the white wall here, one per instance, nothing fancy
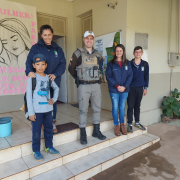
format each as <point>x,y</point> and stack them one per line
<point>152,17</point>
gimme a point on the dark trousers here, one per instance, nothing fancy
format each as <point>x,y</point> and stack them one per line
<point>46,120</point>
<point>134,102</point>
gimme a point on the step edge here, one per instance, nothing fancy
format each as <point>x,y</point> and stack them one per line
<point>116,157</point>
<point>53,136</point>
<point>99,143</point>
<point>21,156</point>
<point>157,140</point>
<point>16,173</point>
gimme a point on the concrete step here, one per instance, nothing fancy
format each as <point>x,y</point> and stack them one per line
<point>92,164</point>
<point>21,150</point>
<point>26,167</point>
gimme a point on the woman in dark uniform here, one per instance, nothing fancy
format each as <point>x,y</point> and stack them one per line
<point>55,60</point>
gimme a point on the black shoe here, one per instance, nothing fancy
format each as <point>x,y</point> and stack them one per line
<point>140,126</point>
<point>83,136</point>
<point>97,133</point>
<point>130,129</point>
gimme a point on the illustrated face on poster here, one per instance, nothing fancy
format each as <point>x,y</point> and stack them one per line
<point>14,40</point>
<point>18,32</point>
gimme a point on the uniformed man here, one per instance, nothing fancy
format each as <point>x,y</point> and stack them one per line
<point>85,66</point>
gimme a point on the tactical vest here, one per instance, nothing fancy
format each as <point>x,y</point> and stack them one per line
<point>89,68</point>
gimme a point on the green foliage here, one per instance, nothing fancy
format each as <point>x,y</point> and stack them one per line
<point>175,93</point>
<point>170,105</point>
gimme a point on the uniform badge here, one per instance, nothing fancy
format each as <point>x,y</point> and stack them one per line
<point>88,59</point>
<point>56,54</point>
<point>142,68</point>
<point>126,67</point>
<point>71,59</point>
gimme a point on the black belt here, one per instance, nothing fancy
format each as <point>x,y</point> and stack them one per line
<point>88,82</point>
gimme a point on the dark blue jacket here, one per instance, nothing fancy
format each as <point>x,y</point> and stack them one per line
<point>56,62</point>
<point>140,74</point>
<point>117,76</point>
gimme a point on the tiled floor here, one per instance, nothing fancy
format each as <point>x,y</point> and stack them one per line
<point>82,164</point>
<point>12,167</point>
<point>21,127</point>
<point>60,173</point>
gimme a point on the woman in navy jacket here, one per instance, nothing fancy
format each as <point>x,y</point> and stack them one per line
<point>119,76</point>
<point>55,60</point>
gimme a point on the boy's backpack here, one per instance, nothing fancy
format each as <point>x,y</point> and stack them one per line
<point>145,66</point>
<point>25,100</point>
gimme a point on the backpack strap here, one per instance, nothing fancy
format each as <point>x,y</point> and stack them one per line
<point>50,82</point>
<point>51,95</point>
<point>33,85</point>
<point>145,66</point>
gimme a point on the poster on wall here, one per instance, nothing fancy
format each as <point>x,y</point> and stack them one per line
<point>105,45</point>
<point>18,32</point>
<point>99,45</point>
<point>110,49</point>
<point>103,72</point>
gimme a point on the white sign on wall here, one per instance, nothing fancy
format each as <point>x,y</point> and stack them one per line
<point>18,32</point>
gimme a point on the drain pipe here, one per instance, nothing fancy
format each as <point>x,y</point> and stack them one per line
<point>178,23</point>
<point>169,43</point>
<point>169,36</point>
<point>171,79</point>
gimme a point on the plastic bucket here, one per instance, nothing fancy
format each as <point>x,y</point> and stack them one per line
<point>5,126</point>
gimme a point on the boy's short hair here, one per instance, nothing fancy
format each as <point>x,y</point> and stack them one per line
<point>40,56</point>
<point>137,48</point>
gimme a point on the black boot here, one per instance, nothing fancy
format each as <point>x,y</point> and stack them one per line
<point>97,133</point>
<point>83,136</point>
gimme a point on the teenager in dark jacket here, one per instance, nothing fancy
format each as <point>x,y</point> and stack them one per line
<point>55,60</point>
<point>119,76</point>
<point>138,88</point>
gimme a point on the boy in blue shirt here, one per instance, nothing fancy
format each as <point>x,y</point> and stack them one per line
<point>40,107</point>
<point>138,88</point>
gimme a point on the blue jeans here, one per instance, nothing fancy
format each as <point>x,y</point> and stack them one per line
<point>118,103</point>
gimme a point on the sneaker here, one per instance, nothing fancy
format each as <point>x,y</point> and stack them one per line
<point>130,129</point>
<point>52,151</point>
<point>38,156</point>
<point>138,125</point>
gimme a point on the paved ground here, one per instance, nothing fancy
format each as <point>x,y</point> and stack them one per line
<point>158,162</point>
